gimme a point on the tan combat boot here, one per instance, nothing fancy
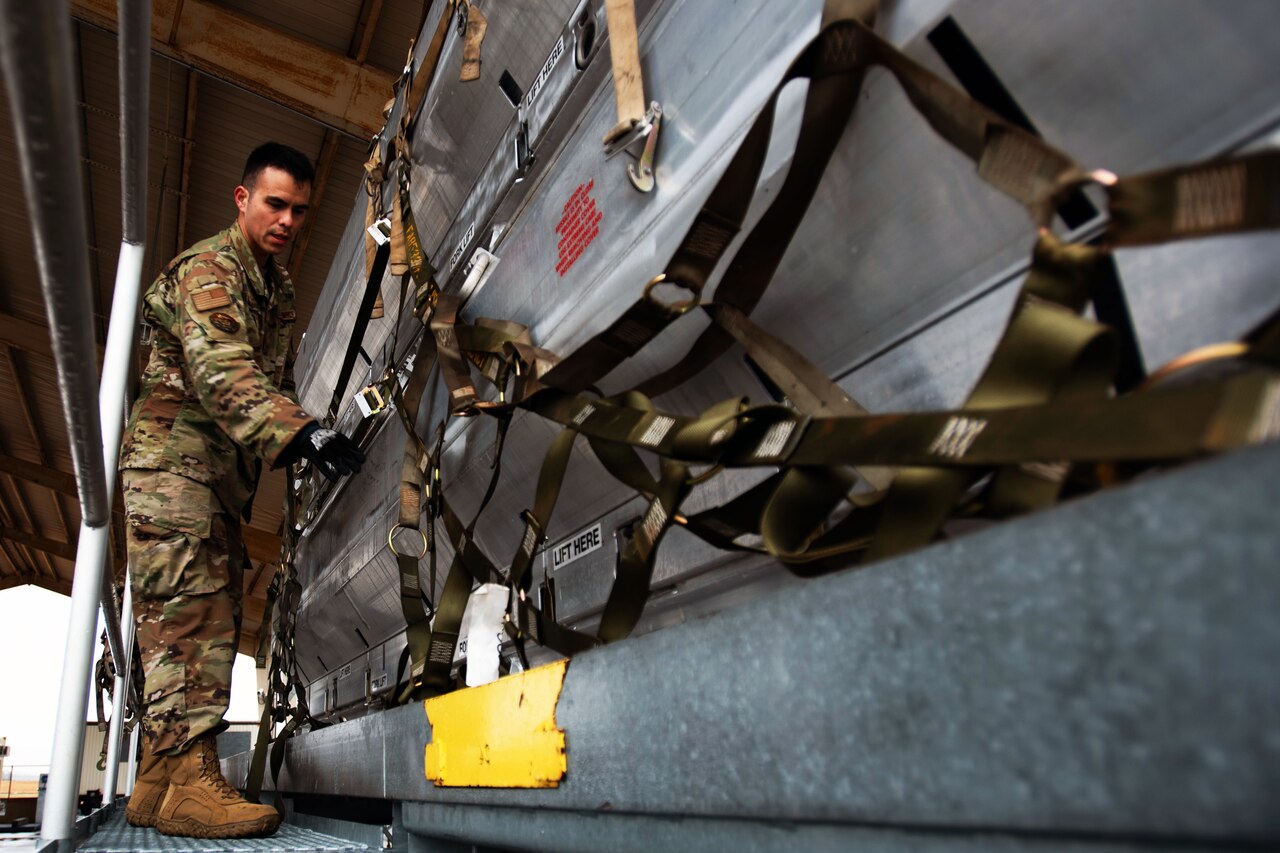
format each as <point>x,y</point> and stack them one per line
<point>202,804</point>
<point>149,788</point>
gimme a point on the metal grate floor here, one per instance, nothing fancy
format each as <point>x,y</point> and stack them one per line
<point>116,836</point>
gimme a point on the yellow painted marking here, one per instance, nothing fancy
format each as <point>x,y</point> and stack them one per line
<point>500,735</point>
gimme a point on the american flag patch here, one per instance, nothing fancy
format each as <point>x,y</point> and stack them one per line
<point>208,298</point>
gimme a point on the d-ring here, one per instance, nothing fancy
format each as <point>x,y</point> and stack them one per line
<point>684,306</point>
<point>392,545</point>
<point>1073,181</point>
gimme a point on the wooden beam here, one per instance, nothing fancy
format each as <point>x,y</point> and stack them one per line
<point>26,520</point>
<point>29,337</point>
<point>315,81</point>
<point>188,154</point>
<point>13,551</point>
<point>262,545</point>
<point>40,543</point>
<point>58,585</point>
<point>24,403</point>
<point>50,478</point>
<point>370,12</point>
<point>324,165</point>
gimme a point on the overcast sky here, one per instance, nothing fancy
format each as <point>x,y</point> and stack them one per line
<point>33,637</point>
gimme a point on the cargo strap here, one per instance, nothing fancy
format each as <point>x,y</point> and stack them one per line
<point>1013,161</point>
<point>283,679</point>
<point>1044,404</point>
<point>473,36</point>
<point>372,289</point>
<point>628,79</point>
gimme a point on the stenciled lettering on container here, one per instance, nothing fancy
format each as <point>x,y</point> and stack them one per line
<point>547,68</point>
<point>579,225</point>
<point>462,247</point>
<point>576,547</point>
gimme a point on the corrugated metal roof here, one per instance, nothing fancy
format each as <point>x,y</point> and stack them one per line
<point>228,123</point>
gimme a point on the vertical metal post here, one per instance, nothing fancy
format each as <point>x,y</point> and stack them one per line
<point>35,49</point>
<point>135,743</point>
<point>36,52</point>
<point>119,705</point>
<point>73,696</point>
<point>135,98</point>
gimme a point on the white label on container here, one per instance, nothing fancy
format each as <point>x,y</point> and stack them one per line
<point>579,545</point>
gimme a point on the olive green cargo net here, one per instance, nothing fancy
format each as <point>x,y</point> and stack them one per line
<point>847,485</point>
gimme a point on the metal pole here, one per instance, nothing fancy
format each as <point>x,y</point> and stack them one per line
<point>36,54</point>
<point>58,823</point>
<point>119,704</point>
<point>135,741</point>
<point>135,98</point>
<point>35,49</point>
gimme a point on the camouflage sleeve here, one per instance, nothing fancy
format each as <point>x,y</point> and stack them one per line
<point>224,372</point>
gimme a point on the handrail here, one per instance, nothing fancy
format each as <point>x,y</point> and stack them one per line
<point>36,52</point>
<point>40,80</point>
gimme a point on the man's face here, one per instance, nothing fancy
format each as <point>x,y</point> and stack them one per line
<point>272,212</point>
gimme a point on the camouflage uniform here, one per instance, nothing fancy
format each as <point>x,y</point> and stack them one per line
<point>211,410</point>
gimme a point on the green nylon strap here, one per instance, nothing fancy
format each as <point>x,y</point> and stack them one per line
<point>803,384</point>
<point>959,438</point>
<point>550,479</point>
<point>635,565</point>
<point>468,563</point>
<point>829,104</point>
<point>453,367</point>
<point>1019,164</point>
<point>413,460</point>
<point>1224,196</point>
<point>1047,350</point>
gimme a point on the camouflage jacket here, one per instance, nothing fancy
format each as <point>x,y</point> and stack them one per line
<point>212,405</point>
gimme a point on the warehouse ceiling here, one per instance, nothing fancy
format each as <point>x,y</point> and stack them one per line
<point>226,75</point>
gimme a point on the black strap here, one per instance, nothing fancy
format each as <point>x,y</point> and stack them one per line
<point>372,288</point>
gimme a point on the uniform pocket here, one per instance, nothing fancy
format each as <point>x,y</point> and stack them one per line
<point>170,526</point>
<point>159,499</point>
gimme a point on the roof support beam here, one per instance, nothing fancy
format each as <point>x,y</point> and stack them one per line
<point>24,403</point>
<point>40,543</point>
<point>50,478</point>
<point>53,584</point>
<point>188,154</point>
<point>263,545</point>
<point>324,164</point>
<point>12,550</point>
<point>370,12</point>
<point>320,83</point>
<point>28,337</point>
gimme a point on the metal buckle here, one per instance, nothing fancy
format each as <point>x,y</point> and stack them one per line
<point>684,306</point>
<point>380,231</point>
<point>370,401</point>
<point>641,173</point>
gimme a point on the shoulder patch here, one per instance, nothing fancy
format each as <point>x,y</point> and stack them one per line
<point>288,316</point>
<point>209,298</point>
<point>225,322</point>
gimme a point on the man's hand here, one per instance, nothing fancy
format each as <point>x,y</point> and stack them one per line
<point>331,452</point>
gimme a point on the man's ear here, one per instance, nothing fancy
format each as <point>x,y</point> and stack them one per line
<point>242,198</point>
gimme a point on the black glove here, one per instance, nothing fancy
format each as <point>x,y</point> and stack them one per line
<point>331,452</point>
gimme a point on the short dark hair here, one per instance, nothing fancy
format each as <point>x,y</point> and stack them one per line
<point>280,156</point>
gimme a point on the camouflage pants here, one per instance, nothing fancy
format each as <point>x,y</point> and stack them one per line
<point>186,565</point>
